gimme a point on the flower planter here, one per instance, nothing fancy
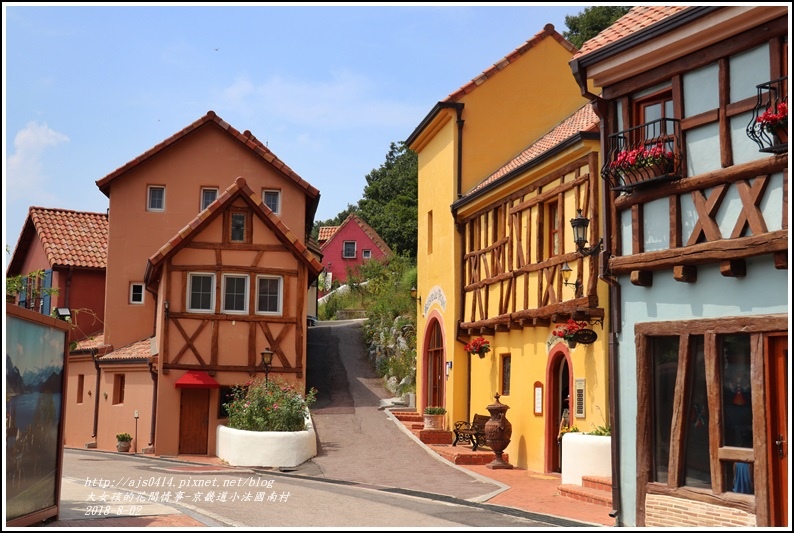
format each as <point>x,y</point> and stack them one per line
<point>585,455</point>
<point>571,344</point>
<point>123,445</point>
<point>434,421</point>
<point>266,448</point>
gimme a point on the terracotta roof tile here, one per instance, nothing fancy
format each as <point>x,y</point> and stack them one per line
<point>326,232</point>
<point>548,31</point>
<point>90,343</point>
<point>582,120</point>
<point>246,138</point>
<point>141,349</point>
<point>638,18</point>
<point>72,238</point>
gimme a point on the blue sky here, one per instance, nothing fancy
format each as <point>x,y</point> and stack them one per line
<point>88,88</point>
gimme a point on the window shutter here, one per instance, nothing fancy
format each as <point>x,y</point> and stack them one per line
<point>578,398</point>
<point>46,298</point>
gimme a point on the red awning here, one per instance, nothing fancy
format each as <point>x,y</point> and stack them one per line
<point>194,379</point>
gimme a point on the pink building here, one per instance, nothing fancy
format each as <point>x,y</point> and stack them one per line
<point>347,246</point>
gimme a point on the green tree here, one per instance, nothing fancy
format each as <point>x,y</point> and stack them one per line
<point>389,203</point>
<point>590,22</point>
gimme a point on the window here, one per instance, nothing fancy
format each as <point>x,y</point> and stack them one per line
<point>136,293</point>
<point>506,362</point>
<point>429,232</point>
<point>366,254</point>
<point>156,199</point>
<point>237,226</point>
<point>80,385</point>
<point>272,199</point>
<point>552,213</point>
<point>235,294</point>
<point>208,195</point>
<point>118,389</point>
<point>201,293</point>
<point>349,251</point>
<point>268,295</point>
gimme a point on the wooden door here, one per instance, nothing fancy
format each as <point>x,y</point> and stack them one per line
<point>194,421</point>
<point>777,422</point>
<point>435,367</point>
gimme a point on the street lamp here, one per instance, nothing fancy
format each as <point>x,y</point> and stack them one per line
<point>566,275</point>
<point>267,358</point>
<point>579,225</point>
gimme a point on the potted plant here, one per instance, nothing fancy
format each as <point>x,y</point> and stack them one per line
<point>124,442</point>
<point>566,331</point>
<point>434,417</point>
<point>775,121</point>
<point>478,346</point>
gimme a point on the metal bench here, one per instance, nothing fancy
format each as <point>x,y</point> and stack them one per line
<point>473,432</point>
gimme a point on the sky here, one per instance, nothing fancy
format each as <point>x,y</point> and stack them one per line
<point>327,87</point>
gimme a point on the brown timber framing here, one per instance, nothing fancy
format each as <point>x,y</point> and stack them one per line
<point>505,241</point>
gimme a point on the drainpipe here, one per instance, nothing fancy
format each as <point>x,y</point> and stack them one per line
<point>458,107</point>
<point>96,396</point>
<point>153,373</point>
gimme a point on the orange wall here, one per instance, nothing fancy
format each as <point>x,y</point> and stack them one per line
<point>79,427</point>
<point>120,418</point>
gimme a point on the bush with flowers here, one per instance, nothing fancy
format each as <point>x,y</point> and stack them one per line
<point>269,405</point>
<point>773,119</point>
<point>478,346</point>
<point>566,330</point>
<point>642,157</point>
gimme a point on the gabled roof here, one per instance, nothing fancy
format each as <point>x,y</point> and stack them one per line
<point>326,232</point>
<point>638,18</point>
<point>352,218</point>
<point>239,189</point>
<point>69,238</point>
<point>137,352</point>
<point>548,31</point>
<point>584,120</point>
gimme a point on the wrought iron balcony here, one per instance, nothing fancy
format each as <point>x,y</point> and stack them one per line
<point>769,125</point>
<point>645,154</point>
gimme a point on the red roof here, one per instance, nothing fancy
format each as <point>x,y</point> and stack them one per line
<point>195,379</point>
<point>326,232</point>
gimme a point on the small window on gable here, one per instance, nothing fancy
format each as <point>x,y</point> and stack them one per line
<point>349,251</point>
<point>272,199</point>
<point>156,198</point>
<point>208,195</point>
<point>268,295</point>
<point>235,294</point>
<point>238,227</point>
<point>366,254</point>
<point>201,293</point>
<point>136,293</point>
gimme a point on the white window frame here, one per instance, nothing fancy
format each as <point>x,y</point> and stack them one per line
<point>265,192</point>
<point>366,254</point>
<point>280,305</point>
<point>149,191</point>
<point>133,286</point>
<point>344,250</point>
<point>190,277</point>
<point>224,309</point>
<point>204,190</point>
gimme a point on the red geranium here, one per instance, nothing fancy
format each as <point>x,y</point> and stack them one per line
<point>478,346</point>
<point>566,330</point>
<point>772,120</point>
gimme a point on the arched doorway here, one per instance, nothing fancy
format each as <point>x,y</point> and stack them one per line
<point>434,366</point>
<point>558,390</point>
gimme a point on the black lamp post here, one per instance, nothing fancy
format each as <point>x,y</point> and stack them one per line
<point>267,358</point>
<point>579,225</point>
<point>566,275</point>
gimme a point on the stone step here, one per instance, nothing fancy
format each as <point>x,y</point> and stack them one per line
<point>586,494</point>
<point>462,455</point>
<point>598,483</point>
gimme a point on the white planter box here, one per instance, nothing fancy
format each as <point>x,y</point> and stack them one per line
<point>585,455</point>
<point>266,448</point>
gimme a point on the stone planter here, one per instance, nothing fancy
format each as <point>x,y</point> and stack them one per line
<point>498,431</point>
<point>123,445</point>
<point>266,448</point>
<point>435,421</point>
<point>585,455</point>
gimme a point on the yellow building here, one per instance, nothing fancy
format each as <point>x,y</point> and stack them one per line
<point>505,163</point>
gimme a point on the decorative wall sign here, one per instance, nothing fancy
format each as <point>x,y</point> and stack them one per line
<point>585,336</point>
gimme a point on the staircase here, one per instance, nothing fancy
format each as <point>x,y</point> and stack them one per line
<point>594,489</point>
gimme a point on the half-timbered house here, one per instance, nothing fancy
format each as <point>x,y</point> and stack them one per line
<point>697,242</point>
<point>505,163</point>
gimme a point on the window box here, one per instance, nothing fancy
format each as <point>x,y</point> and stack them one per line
<point>768,127</point>
<point>645,154</point>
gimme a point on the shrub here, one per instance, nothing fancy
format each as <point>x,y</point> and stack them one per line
<point>124,437</point>
<point>435,410</point>
<point>271,405</point>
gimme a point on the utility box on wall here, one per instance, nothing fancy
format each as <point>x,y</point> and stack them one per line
<point>578,398</point>
<point>36,363</point>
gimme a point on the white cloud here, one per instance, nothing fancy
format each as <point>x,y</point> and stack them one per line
<point>25,169</point>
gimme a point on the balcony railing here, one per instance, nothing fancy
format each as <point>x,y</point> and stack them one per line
<point>645,154</point>
<point>769,125</point>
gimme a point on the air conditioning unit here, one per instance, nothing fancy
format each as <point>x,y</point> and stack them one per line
<point>578,398</point>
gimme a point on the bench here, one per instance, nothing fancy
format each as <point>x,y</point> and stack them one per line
<point>473,433</point>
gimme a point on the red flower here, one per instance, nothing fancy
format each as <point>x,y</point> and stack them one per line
<point>567,329</point>
<point>479,346</point>
<point>771,120</point>
<point>641,157</point>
